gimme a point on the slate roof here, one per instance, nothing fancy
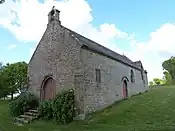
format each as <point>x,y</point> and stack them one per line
<point>103,50</point>
<point>138,63</point>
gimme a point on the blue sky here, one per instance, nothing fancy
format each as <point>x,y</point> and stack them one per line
<point>142,30</point>
<point>140,17</point>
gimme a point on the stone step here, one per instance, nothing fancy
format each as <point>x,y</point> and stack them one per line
<point>18,124</point>
<point>31,114</point>
<point>21,120</point>
<point>32,110</point>
<point>27,117</point>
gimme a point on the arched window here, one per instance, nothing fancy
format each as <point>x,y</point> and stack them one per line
<point>142,74</point>
<point>132,76</point>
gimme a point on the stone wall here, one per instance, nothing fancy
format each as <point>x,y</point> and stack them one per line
<point>58,54</point>
<point>100,95</point>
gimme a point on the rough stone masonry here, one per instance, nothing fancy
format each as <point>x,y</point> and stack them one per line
<point>98,75</point>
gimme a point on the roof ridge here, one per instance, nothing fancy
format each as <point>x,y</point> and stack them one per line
<point>102,49</point>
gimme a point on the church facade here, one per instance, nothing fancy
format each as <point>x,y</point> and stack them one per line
<point>65,59</point>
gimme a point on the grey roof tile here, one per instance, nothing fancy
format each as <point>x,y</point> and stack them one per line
<point>103,50</point>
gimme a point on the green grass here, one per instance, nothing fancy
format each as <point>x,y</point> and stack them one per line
<point>154,110</point>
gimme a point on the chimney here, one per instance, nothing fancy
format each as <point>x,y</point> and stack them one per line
<point>53,15</point>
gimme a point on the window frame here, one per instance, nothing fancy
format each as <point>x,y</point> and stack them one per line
<point>142,75</point>
<point>98,75</point>
<point>132,76</point>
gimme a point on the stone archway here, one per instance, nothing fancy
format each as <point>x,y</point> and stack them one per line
<point>125,89</point>
<point>48,89</point>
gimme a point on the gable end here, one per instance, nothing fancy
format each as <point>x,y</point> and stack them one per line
<point>37,46</point>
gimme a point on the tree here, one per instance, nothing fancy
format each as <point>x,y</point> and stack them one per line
<point>1,65</point>
<point>3,85</point>
<point>3,82</point>
<point>151,83</point>
<point>157,81</point>
<point>14,77</point>
<point>169,66</point>
<point>2,1</point>
<point>167,77</point>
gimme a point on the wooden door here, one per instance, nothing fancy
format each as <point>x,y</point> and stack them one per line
<point>125,91</point>
<point>49,89</point>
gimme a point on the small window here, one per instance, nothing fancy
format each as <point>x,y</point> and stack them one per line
<point>98,75</point>
<point>132,77</point>
<point>144,82</point>
<point>142,75</point>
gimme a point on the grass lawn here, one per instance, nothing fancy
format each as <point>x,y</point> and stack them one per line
<point>154,110</point>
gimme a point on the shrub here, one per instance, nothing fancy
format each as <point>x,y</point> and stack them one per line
<point>22,103</point>
<point>45,109</point>
<point>61,109</point>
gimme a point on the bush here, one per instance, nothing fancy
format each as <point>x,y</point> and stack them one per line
<point>22,103</point>
<point>45,109</point>
<point>61,109</point>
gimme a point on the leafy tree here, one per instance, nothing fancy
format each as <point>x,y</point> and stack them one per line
<point>169,66</point>
<point>167,77</point>
<point>3,82</point>
<point>2,1</point>
<point>14,77</point>
<point>151,83</point>
<point>1,65</point>
<point>157,81</point>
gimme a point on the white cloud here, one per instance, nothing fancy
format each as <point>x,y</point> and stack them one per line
<point>158,48</point>
<point>11,46</point>
<point>161,45</point>
<point>163,36</point>
<point>27,20</point>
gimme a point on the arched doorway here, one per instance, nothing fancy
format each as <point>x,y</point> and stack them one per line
<point>48,89</point>
<point>125,90</point>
